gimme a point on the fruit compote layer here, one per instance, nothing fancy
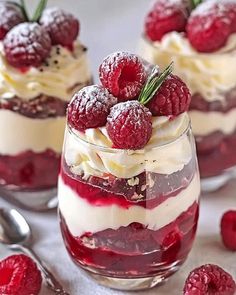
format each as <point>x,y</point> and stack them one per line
<point>216,142</point>
<point>30,169</point>
<point>129,246</point>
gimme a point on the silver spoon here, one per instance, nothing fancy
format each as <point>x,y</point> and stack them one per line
<point>16,234</point>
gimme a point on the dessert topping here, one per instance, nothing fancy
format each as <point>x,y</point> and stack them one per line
<point>90,107</point>
<point>27,44</point>
<point>129,125</point>
<point>123,74</point>
<point>209,279</point>
<point>166,16</point>
<point>11,15</point>
<point>228,229</point>
<point>19,275</point>
<point>62,26</point>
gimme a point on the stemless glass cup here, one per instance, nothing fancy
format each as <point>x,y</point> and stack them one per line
<point>212,81</point>
<point>33,106</point>
<point>129,218</point>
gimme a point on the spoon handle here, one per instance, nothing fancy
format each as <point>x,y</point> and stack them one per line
<point>51,282</point>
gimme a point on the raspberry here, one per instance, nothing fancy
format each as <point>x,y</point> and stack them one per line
<point>123,74</point>
<point>129,125</point>
<point>210,25</point>
<point>166,16</point>
<point>209,279</point>
<point>62,26</point>
<point>11,16</point>
<point>173,98</point>
<point>27,44</point>
<point>90,107</point>
<point>19,275</point>
<point>228,229</point>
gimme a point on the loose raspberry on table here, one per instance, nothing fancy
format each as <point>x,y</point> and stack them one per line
<point>209,279</point>
<point>19,275</point>
<point>11,16</point>
<point>27,44</point>
<point>210,25</point>
<point>173,98</point>
<point>62,26</point>
<point>166,16</point>
<point>123,74</point>
<point>90,107</point>
<point>129,125</point>
<point>228,229</point>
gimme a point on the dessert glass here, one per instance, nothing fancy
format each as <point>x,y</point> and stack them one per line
<point>33,106</point>
<point>211,79</point>
<point>128,218</point>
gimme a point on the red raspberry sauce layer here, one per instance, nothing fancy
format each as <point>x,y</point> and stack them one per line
<point>134,250</point>
<point>111,190</point>
<point>30,170</point>
<point>216,151</point>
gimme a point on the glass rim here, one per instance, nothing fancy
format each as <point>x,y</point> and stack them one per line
<point>195,55</point>
<point>116,150</point>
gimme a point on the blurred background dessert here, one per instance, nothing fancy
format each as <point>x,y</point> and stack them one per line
<point>201,40</point>
<point>41,65</point>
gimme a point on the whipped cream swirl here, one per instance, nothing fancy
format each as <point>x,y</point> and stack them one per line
<point>58,76</point>
<point>90,153</point>
<point>211,74</point>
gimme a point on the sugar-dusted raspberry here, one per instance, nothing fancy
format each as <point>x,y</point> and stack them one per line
<point>165,16</point>
<point>62,26</point>
<point>90,107</point>
<point>26,45</point>
<point>228,229</point>
<point>123,74</point>
<point>172,99</point>
<point>11,16</point>
<point>129,125</point>
<point>19,275</point>
<point>210,25</point>
<point>209,279</point>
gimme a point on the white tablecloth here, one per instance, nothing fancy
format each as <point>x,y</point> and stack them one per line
<point>107,26</point>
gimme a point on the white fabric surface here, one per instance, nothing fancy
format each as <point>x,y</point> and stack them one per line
<point>107,26</point>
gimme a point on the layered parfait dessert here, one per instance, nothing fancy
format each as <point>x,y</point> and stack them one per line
<point>41,66</point>
<point>129,184</point>
<point>201,40</point>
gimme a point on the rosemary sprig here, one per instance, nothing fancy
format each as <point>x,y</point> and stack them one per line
<point>39,10</point>
<point>195,3</point>
<point>153,83</point>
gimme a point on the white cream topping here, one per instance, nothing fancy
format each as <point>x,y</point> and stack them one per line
<point>92,160</point>
<point>20,133</point>
<point>58,79</point>
<point>80,216</point>
<point>209,74</point>
<point>207,123</point>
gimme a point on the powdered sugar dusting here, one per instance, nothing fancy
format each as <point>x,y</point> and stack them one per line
<point>90,107</point>
<point>62,26</point>
<point>11,15</point>
<point>27,44</point>
<point>123,73</point>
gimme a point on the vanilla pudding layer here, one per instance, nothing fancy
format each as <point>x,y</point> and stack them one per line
<point>20,133</point>
<point>206,123</point>
<point>212,75</point>
<point>94,218</point>
<point>58,76</point>
<point>168,151</point>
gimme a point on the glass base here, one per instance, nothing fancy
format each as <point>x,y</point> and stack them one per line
<point>214,183</point>
<point>134,284</point>
<point>42,200</point>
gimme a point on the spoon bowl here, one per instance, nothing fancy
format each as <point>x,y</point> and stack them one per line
<point>13,228</point>
<point>16,234</point>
